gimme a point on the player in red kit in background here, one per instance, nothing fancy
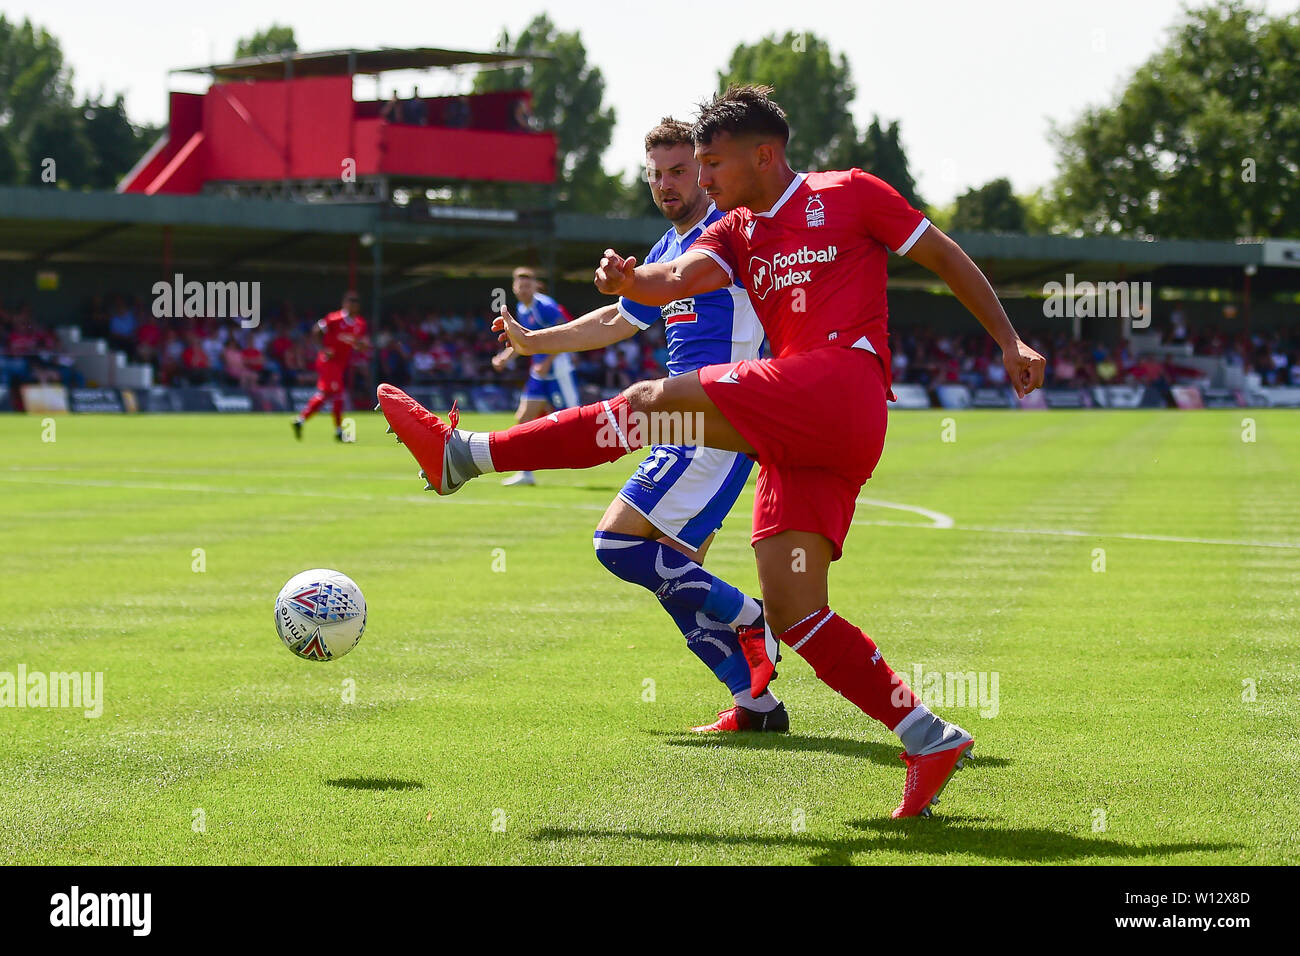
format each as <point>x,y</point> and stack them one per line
<point>341,333</point>
<point>811,250</point>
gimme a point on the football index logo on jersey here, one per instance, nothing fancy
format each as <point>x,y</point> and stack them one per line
<point>765,277</point>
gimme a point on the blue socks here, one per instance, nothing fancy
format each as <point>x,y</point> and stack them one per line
<point>705,608</point>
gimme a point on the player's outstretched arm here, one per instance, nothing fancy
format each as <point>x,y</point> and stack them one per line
<point>949,262</point>
<point>595,330</point>
<point>691,273</point>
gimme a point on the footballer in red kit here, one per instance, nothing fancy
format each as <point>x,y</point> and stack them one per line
<point>811,250</point>
<point>341,333</point>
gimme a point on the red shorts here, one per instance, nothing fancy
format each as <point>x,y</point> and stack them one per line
<point>817,423</point>
<point>329,377</point>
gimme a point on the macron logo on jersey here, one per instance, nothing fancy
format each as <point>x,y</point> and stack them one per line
<point>765,276</point>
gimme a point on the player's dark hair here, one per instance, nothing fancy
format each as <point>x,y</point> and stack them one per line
<point>669,132</point>
<point>741,111</point>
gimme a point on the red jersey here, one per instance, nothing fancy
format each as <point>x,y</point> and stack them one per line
<point>341,332</point>
<point>814,264</point>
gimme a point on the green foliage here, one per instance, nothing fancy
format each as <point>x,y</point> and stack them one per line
<point>812,85</point>
<point>880,152</point>
<point>992,207</point>
<point>567,95</point>
<point>274,39</point>
<point>91,144</point>
<point>1173,156</point>
<point>57,144</point>
<point>816,90</point>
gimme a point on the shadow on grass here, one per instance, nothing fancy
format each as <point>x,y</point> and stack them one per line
<point>940,836</point>
<point>375,783</point>
<point>884,754</point>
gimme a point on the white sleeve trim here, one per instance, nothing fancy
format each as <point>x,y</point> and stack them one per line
<point>716,258</point>
<point>629,316</point>
<point>923,225</point>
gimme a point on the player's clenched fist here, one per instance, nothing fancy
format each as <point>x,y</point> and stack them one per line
<point>1025,368</point>
<point>511,333</point>
<point>614,275</point>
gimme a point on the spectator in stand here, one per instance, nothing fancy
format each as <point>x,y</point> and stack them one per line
<point>232,365</point>
<point>391,111</point>
<point>1178,324</point>
<point>415,111</point>
<point>196,365</point>
<point>122,328</point>
<point>521,117</point>
<point>148,340</point>
<point>458,113</point>
<point>254,360</point>
<point>1108,371</point>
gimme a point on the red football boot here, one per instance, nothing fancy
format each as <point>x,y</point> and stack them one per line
<point>761,653</point>
<point>929,773</point>
<point>423,433</point>
<point>742,718</point>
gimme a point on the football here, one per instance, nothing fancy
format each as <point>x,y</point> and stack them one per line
<point>320,614</point>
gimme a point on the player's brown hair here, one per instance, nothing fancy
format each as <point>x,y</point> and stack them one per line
<point>741,111</point>
<point>524,271</point>
<point>669,132</point>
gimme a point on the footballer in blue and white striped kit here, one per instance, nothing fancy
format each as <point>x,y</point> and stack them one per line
<point>659,528</point>
<point>551,384</point>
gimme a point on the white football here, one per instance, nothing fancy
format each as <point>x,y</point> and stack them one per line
<point>320,614</point>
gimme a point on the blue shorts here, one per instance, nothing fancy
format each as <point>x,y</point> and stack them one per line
<point>559,391</point>
<point>686,492</point>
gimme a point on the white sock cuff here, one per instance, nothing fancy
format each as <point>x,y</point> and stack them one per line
<point>915,714</point>
<point>764,703</point>
<point>480,450</point>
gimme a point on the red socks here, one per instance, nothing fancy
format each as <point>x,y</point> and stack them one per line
<point>313,406</point>
<point>849,662</point>
<point>338,412</point>
<point>574,438</point>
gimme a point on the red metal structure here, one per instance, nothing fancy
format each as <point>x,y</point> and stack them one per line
<point>289,124</point>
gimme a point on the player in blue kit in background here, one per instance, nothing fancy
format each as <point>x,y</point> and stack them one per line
<point>678,497</point>
<point>551,384</point>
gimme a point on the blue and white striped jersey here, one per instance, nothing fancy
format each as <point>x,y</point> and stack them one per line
<point>542,314</point>
<point>710,329</point>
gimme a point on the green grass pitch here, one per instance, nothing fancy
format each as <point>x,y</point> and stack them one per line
<point>522,706</point>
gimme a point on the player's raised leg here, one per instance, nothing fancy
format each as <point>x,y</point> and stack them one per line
<point>573,438</point>
<point>530,409</point>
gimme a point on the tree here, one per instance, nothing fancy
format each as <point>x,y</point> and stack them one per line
<point>43,131</point>
<point>58,150</point>
<point>115,142</point>
<point>274,39</point>
<point>813,86</point>
<point>32,77</point>
<point>992,207</point>
<point>567,95</point>
<point>8,161</point>
<point>880,152</point>
<point>1202,143</point>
